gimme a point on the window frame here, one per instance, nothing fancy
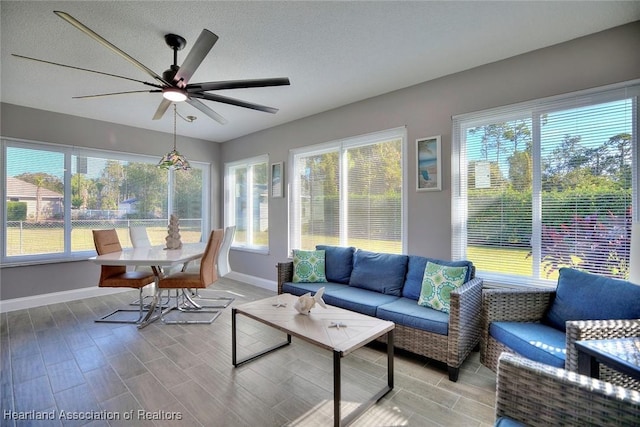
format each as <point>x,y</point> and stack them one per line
<point>230,205</point>
<point>533,110</point>
<point>341,146</point>
<point>68,152</point>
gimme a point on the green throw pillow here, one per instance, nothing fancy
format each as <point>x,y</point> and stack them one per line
<point>308,266</point>
<point>437,283</point>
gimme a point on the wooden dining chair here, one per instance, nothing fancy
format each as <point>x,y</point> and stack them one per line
<point>117,276</point>
<point>185,283</point>
<point>223,268</point>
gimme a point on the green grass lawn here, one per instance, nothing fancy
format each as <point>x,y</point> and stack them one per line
<point>29,241</point>
<point>38,241</point>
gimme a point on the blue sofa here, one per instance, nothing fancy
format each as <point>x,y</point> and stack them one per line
<point>543,324</point>
<point>388,286</point>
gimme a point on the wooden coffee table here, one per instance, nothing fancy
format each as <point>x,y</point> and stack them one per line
<point>335,329</point>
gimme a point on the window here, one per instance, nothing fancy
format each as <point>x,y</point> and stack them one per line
<point>349,193</point>
<point>247,202</point>
<point>545,185</point>
<point>55,196</point>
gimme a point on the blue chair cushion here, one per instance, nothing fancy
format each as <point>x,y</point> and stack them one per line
<point>508,422</point>
<point>303,288</point>
<point>338,262</point>
<point>586,296</point>
<point>415,273</point>
<point>384,273</point>
<point>356,299</point>
<point>405,311</point>
<point>534,341</point>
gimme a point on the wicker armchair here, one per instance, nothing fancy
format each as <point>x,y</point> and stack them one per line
<point>530,305</point>
<point>452,349</point>
<point>540,395</point>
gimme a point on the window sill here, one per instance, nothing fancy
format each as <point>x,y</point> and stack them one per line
<point>260,251</point>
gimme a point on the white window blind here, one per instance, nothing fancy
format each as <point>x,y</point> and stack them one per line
<point>56,194</point>
<point>247,202</point>
<point>349,193</point>
<point>547,184</point>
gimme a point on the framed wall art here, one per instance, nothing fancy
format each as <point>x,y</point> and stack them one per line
<point>428,164</point>
<point>277,180</point>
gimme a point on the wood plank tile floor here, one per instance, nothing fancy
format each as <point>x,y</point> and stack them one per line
<point>60,368</point>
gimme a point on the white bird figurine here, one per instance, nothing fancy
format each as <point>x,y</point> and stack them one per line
<point>306,302</point>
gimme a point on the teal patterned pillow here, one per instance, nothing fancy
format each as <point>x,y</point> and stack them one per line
<point>437,283</point>
<point>308,266</point>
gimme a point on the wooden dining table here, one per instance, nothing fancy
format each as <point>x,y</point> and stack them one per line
<point>157,258</point>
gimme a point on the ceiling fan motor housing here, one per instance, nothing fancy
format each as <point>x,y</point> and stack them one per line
<point>170,73</point>
<point>176,43</point>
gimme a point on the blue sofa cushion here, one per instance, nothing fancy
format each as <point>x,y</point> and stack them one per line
<point>338,262</point>
<point>405,311</point>
<point>303,288</point>
<point>356,299</point>
<point>534,341</point>
<point>384,273</point>
<point>415,273</point>
<point>586,296</point>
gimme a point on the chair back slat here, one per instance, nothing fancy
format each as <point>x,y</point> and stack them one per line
<point>208,271</point>
<point>223,258</point>
<point>106,242</point>
<point>139,237</point>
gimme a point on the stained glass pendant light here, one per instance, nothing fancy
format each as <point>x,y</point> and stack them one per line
<point>173,159</point>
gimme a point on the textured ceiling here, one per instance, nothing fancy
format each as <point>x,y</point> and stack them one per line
<point>334,53</point>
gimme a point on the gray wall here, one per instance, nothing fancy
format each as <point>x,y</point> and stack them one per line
<point>45,126</point>
<point>426,109</point>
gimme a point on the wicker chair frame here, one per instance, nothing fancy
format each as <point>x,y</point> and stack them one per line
<point>451,349</point>
<point>530,305</point>
<point>541,395</point>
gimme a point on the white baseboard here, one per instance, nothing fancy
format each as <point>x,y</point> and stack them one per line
<point>75,294</point>
<point>55,297</point>
<point>253,280</point>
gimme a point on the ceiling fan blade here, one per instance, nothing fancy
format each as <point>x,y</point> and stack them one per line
<point>162,108</point>
<point>86,69</point>
<point>237,84</point>
<point>208,111</point>
<point>115,93</point>
<point>194,58</point>
<point>88,31</point>
<point>233,101</point>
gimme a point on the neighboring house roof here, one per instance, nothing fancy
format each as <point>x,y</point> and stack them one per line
<point>17,188</point>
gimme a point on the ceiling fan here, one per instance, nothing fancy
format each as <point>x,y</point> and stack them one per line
<point>174,82</point>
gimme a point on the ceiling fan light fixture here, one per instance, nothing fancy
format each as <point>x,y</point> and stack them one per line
<point>174,94</point>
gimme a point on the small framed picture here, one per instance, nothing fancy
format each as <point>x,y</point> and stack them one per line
<point>277,180</point>
<point>428,164</point>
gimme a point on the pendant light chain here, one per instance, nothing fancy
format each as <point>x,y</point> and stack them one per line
<point>175,119</point>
